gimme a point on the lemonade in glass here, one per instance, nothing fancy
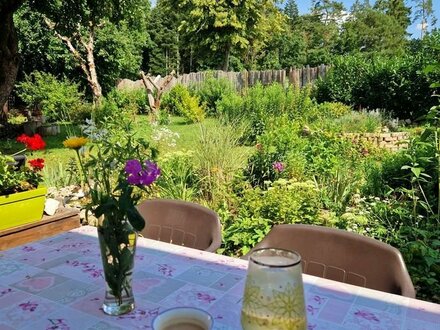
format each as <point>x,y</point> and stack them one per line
<point>274,294</point>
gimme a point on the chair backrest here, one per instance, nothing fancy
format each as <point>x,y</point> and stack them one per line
<point>181,223</point>
<point>344,256</point>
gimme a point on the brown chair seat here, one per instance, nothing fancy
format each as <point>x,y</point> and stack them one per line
<point>343,256</point>
<point>181,223</point>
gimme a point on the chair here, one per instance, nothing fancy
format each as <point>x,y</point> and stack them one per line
<point>343,256</point>
<point>181,223</point>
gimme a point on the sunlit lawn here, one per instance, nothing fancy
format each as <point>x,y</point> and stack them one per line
<point>56,154</point>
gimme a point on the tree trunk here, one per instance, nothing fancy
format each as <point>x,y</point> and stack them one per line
<point>9,56</point>
<point>227,55</point>
<point>93,76</point>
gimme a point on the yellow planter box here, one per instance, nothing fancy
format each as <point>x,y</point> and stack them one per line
<point>22,208</point>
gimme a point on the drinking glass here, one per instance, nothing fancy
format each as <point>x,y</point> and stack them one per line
<point>274,295</point>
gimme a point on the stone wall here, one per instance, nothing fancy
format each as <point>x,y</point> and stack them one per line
<point>390,141</point>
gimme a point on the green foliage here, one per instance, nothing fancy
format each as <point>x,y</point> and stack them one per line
<point>61,176</point>
<point>354,122</point>
<point>396,85</point>
<point>179,101</point>
<point>134,101</point>
<point>9,178</point>
<point>211,91</point>
<point>229,108</point>
<point>118,50</point>
<point>35,39</point>
<point>333,109</point>
<point>373,32</point>
<point>277,144</point>
<point>164,48</point>
<point>258,210</point>
<point>217,161</point>
<point>260,104</point>
<point>179,179</point>
<point>54,97</point>
<point>420,248</point>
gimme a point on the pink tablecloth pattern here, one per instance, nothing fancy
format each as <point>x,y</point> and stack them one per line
<point>57,283</point>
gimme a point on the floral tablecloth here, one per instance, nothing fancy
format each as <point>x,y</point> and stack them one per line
<point>57,283</point>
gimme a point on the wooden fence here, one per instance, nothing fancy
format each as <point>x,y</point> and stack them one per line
<point>245,79</point>
<point>242,80</point>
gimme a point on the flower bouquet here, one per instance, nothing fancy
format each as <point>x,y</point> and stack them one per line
<point>114,179</point>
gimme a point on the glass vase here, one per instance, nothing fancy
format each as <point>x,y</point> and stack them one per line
<point>117,241</point>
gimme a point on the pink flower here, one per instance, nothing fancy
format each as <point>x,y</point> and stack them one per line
<point>278,166</point>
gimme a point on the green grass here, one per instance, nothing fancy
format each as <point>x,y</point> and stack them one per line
<point>55,154</point>
<point>189,133</point>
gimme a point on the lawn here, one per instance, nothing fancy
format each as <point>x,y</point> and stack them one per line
<point>55,154</point>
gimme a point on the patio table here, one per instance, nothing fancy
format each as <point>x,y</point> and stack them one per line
<point>57,283</point>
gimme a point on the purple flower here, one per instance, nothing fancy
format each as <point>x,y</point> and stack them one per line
<point>133,166</point>
<point>278,166</point>
<point>138,175</point>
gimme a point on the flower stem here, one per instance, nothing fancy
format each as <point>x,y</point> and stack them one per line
<point>84,173</point>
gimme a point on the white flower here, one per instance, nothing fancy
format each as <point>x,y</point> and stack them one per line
<point>165,136</point>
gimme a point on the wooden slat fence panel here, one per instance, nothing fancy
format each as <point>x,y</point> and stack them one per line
<point>245,79</point>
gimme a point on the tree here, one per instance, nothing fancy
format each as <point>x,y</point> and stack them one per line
<point>76,23</point>
<point>40,49</point>
<point>9,57</point>
<point>396,9</point>
<point>424,12</point>
<point>371,31</point>
<point>328,11</point>
<point>291,11</point>
<point>220,26</point>
<point>164,50</point>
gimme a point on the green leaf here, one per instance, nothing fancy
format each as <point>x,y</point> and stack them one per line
<point>417,171</point>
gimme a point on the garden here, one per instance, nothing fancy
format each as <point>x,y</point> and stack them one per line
<point>268,155</point>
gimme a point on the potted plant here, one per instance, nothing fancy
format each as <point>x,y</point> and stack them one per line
<point>22,196</point>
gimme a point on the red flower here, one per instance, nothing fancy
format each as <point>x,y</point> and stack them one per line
<point>37,164</point>
<point>32,142</point>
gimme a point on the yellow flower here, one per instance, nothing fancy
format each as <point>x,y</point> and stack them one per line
<point>75,142</point>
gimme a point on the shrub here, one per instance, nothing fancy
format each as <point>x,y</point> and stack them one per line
<point>333,109</point>
<point>273,148</point>
<point>55,97</point>
<point>394,84</point>
<point>82,112</point>
<point>134,101</point>
<point>178,101</point>
<point>211,91</point>
<point>230,108</point>
<point>258,210</point>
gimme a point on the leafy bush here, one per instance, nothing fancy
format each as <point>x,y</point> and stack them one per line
<point>230,108</point>
<point>211,91</point>
<point>276,145</point>
<point>134,101</point>
<point>258,210</point>
<point>179,101</point>
<point>333,109</point>
<point>54,97</point>
<point>394,84</point>
<point>82,112</point>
